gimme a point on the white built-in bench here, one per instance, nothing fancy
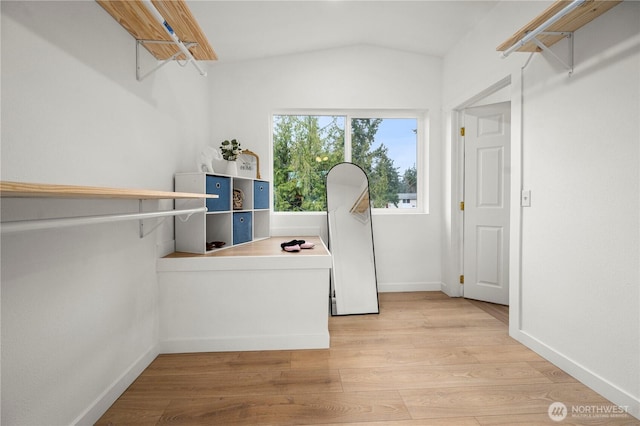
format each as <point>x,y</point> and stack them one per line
<point>249,297</point>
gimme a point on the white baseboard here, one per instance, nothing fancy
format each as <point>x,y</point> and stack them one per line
<point>407,287</point>
<point>584,375</point>
<point>247,343</point>
<point>93,413</point>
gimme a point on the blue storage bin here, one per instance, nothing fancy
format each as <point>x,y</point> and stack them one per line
<point>260,194</point>
<point>241,227</point>
<point>220,186</point>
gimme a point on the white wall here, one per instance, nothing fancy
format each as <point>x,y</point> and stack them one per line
<point>79,305</point>
<point>246,94</point>
<point>79,308</point>
<point>579,277</point>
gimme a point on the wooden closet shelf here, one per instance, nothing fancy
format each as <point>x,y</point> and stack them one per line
<point>574,20</point>
<point>41,190</point>
<point>136,19</point>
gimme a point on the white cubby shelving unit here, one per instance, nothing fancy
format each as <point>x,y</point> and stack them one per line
<point>223,222</point>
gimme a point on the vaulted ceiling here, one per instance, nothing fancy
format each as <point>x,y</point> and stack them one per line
<point>245,30</point>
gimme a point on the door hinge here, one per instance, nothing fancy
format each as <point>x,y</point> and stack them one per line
<point>461,131</point>
<point>461,206</point>
<point>461,279</point>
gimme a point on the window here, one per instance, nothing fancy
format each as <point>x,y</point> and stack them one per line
<point>305,147</point>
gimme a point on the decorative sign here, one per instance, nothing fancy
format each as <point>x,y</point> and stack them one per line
<point>249,164</point>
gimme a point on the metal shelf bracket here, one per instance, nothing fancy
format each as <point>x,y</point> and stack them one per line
<point>569,35</point>
<point>163,216</point>
<point>139,75</point>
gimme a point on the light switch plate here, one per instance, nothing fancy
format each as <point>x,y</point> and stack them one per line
<point>525,198</point>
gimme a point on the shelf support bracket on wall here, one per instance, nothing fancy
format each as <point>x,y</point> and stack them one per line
<point>139,75</point>
<point>182,47</point>
<point>533,33</point>
<point>558,21</point>
<point>569,35</point>
<point>163,217</point>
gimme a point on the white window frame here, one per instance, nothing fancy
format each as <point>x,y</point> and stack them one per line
<point>422,150</point>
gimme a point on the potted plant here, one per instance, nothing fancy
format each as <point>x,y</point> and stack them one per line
<point>230,151</point>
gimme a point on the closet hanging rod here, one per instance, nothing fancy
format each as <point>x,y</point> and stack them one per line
<point>158,17</point>
<point>546,24</point>
<point>35,224</point>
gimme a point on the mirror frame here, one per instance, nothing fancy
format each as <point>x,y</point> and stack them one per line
<point>329,238</point>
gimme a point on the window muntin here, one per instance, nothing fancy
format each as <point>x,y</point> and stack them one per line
<point>305,147</point>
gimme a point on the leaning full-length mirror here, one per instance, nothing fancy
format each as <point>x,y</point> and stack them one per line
<point>354,289</point>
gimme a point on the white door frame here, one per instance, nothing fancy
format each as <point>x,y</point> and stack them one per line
<point>514,81</point>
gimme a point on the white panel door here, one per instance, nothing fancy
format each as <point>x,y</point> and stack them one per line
<point>486,203</point>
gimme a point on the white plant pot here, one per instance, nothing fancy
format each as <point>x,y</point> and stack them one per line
<point>232,168</point>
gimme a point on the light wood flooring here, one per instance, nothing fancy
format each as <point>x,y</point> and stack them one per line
<point>425,360</point>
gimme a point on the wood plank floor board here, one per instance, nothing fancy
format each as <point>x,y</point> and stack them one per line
<point>429,307</point>
<point>455,421</point>
<point>491,400</point>
<point>425,360</point>
<point>503,353</point>
<point>126,411</point>
<point>543,420</point>
<point>235,383</point>
<point>288,409</point>
<point>416,296</point>
<point>371,341</point>
<point>463,337</point>
<point>392,357</point>
<point>484,322</point>
<point>438,376</point>
<point>376,324</point>
<point>170,364</point>
<point>554,374</point>
<point>392,314</point>
<point>500,312</point>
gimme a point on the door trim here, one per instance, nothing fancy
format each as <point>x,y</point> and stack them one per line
<point>514,81</point>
